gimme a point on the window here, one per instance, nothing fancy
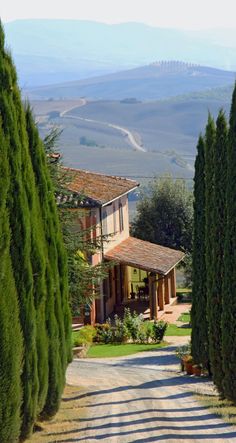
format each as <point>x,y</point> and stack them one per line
<point>104,222</point>
<point>93,222</point>
<point>114,217</point>
<point>121,217</point>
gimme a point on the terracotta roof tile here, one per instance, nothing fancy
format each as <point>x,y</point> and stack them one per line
<point>100,188</point>
<point>145,255</point>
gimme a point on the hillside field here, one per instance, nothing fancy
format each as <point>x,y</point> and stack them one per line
<point>167,130</point>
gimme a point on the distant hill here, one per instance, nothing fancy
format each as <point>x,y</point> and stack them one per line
<point>167,130</point>
<point>159,80</point>
<point>52,51</point>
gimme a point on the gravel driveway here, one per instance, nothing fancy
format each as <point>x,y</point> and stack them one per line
<point>143,398</point>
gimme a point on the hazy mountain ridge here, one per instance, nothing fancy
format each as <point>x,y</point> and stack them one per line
<point>115,47</point>
<point>158,80</point>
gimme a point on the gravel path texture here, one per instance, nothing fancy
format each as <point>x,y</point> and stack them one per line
<point>144,398</point>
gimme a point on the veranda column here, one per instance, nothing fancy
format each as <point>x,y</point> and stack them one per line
<point>173,282</point>
<point>161,294</point>
<point>154,296</point>
<point>167,289</point>
<point>101,317</point>
<point>125,284</point>
<point>150,284</point>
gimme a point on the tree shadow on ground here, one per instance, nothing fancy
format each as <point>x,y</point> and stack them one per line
<point>147,411</point>
<point>148,432</point>
<point>153,384</point>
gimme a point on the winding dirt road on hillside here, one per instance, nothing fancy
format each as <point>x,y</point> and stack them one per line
<point>126,132</point>
<point>143,398</point>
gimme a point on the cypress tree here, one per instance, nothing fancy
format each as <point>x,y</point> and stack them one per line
<point>229,287</point>
<point>38,261</point>
<point>217,227</point>
<point>199,337</point>
<point>37,256</point>
<point>209,205</point>
<point>58,315</point>
<point>11,350</point>
<point>19,199</point>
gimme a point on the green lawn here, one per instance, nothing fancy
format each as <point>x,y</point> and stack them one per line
<point>174,330</point>
<point>119,350</point>
<point>185,318</point>
<point>183,290</point>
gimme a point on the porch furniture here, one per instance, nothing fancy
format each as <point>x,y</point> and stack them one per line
<point>132,293</point>
<point>142,292</point>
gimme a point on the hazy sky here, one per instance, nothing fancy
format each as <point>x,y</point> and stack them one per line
<point>187,14</point>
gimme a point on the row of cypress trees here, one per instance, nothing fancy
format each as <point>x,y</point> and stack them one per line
<point>214,252</point>
<point>34,309</point>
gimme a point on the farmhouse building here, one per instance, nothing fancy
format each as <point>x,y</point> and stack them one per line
<point>140,270</point>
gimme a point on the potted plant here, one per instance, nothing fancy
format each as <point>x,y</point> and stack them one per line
<point>188,364</point>
<point>197,370</point>
<point>181,352</point>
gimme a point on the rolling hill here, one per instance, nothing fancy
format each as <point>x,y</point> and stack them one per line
<point>156,81</point>
<point>167,130</point>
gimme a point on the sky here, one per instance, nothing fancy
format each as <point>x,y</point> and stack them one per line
<point>181,14</point>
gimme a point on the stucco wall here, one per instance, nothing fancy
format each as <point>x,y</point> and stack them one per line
<point>113,223</point>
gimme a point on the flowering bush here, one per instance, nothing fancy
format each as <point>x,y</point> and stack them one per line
<point>131,328</point>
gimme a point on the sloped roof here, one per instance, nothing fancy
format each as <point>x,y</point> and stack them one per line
<point>100,188</point>
<point>145,255</point>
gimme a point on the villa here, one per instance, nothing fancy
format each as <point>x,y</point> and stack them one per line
<point>141,270</point>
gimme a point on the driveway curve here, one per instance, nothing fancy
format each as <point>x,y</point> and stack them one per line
<point>143,398</point>
<point>131,137</point>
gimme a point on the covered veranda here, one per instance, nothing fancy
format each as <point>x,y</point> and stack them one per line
<point>159,286</point>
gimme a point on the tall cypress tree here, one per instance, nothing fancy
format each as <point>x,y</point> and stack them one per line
<point>11,350</point>
<point>39,262</point>
<point>209,205</point>
<point>229,287</point>
<point>217,227</point>
<point>58,314</point>
<point>199,338</point>
<point>19,198</point>
<point>37,255</point>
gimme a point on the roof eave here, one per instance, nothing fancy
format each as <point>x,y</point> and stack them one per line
<point>145,268</point>
<point>176,264</point>
<point>119,196</point>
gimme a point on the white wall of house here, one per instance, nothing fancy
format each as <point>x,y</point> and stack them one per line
<point>116,222</point>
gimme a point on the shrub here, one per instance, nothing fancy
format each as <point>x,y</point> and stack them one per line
<point>120,331</point>
<point>84,337</point>
<point>142,335</point>
<point>132,328</point>
<point>103,333</point>
<point>145,332</point>
<point>159,329</point>
<point>132,323</point>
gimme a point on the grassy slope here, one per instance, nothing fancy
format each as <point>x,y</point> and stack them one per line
<point>64,422</point>
<point>168,129</point>
<point>223,408</point>
<point>170,125</point>
<point>185,318</point>
<point>177,331</point>
<point>119,350</point>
